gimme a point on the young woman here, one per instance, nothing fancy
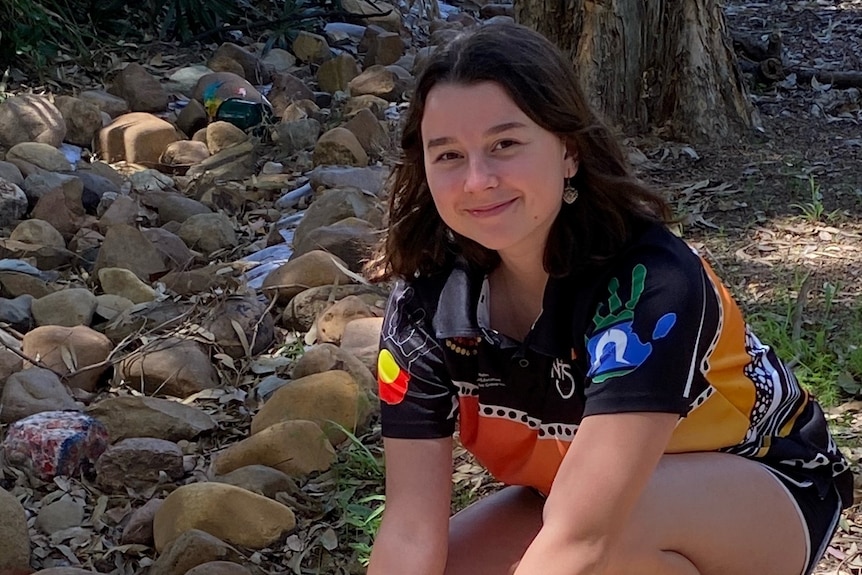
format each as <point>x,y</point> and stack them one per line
<point>591,360</point>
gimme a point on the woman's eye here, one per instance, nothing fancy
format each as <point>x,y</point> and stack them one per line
<point>446,156</point>
<point>503,144</point>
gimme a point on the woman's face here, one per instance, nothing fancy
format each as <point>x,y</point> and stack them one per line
<point>495,175</point>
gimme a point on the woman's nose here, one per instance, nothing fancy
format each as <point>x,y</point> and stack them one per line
<point>480,175</point>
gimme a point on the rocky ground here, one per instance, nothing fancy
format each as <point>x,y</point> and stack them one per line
<point>165,275</point>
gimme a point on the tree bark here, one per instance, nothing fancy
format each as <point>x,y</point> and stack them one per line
<point>661,64</point>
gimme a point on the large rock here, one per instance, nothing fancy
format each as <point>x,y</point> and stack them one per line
<point>137,137</point>
<point>335,205</point>
<point>295,135</point>
<point>316,268</point>
<point>302,311</point>
<point>366,101</point>
<point>254,321</point>
<point>32,391</point>
<point>208,233</point>
<point>254,70</point>
<point>335,74</point>
<point>170,366</point>
<point>381,13</point>
<point>30,118</point>
<point>327,357</point>
<point>13,203</point>
<point>139,529</point>
<point>111,105</point>
<point>331,323</point>
<point>232,514</point>
<point>140,89</point>
<point>362,339</point>
<point>14,535</point>
<point>351,239</point>
<point>63,207</point>
<point>185,152</point>
<point>9,363</point>
<point>339,146</point>
<point>38,232</point>
<point>260,479</point>
<point>223,135</point>
<point>83,120</point>
<point>135,416</point>
<point>173,207</point>
<point>370,133</point>
<point>323,397</point>
<point>68,307</point>
<point>61,514</point>
<point>381,81</point>
<point>311,48</point>
<point>41,155</point>
<point>383,47</point>
<point>127,247</point>
<point>155,317</point>
<point>296,448</point>
<point>17,313</point>
<point>11,173</point>
<point>287,88</point>
<point>175,254</point>
<point>139,462</point>
<point>70,349</point>
<point>15,284</point>
<point>190,549</point>
<point>124,283</point>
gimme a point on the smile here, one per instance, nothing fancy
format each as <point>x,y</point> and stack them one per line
<point>491,210</point>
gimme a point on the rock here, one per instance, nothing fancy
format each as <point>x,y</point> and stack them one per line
<point>246,314</point>
<point>331,323</point>
<point>109,306</point>
<point>192,117</point>
<point>139,529</point>
<point>140,89</point>
<point>83,120</point>
<point>208,233</point>
<point>254,70</point>
<point>45,257</point>
<point>43,156</point>
<point>14,535</point>
<point>68,307</point>
<point>9,363</point>
<point>40,184</point>
<point>65,571</point>
<point>334,75</point>
<point>233,163</point>
<point>128,248</point>
<point>223,135</point>
<point>137,137</point>
<point>321,398</point>
<point>62,349</point>
<point>30,118</point>
<point>351,239</point>
<point>302,311</point>
<point>135,416</point>
<point>301,109</point>
<point>11,173</point>
<point>218,568</point>
<point>377,105</point>
<point>38,232</point>
<point>232,514</point>
<point>125,283</point>
<point>63,207</point>
<point>185,79</point>
<point>61,514</point>
<point>15,284</point>
<point>491,10</point>
<point>173,207</point>
<point>370,133</point>
<point>311,48</point>
<point>32,391</point>
<point>138,463</point>
<point>185,153</point>
<point>123,211</point>
<point>315,268</point>
<point>339,146</point>
<point>296,135</point>
<point>383,47</point>
<point>370,179</point>
<point>154,316</point>
<point>287,88</point>
<point>335,205</point>
<point>174,252</point>
<point>13,203</point>
<point>55,443</point>
<point>326,357</point>
<point>171,367</point>
<point>362,339</point>
<point>296,448</point>
<point>190,549</point>
<point>201,280</point>
<point>113,106</point>
<point>279,60</point>
<point>365,10</point>
<point>260,479</point>
<point>150,181</point>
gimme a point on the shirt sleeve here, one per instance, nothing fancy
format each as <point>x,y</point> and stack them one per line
<point>417,397</point>
<point>649,335</point>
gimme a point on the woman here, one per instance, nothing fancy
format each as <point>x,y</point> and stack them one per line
<point>592,361</point>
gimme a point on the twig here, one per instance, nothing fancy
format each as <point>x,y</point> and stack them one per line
<point>796,316</point>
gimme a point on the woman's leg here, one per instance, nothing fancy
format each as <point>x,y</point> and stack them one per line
<point>701,514</point>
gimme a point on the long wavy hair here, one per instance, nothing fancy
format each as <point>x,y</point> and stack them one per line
<point>544,85</point>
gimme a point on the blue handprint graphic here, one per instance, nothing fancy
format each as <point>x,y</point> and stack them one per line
<point>615,348</point>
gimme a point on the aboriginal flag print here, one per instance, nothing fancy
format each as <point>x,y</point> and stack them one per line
<point>391,380</point>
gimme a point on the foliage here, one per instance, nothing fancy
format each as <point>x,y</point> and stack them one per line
<point>182,19</point>
<point>814,209</point>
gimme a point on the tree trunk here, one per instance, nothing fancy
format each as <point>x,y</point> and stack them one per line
<point>665,64</point>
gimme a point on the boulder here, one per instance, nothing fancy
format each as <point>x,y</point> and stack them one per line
<point>381,81</point>
<point>127,247</point>
<point>185,153</point>
<point>14,535</point>
<point>43,156</point>
<point>325,357</point>
<point>362,339</point>
<point>296,135</point>
<point>253,69</point>
<point>260,479</point>
<point>83,119</point>
<point>38,232</point>
<point>334,75</point>
<point>190,549</point>
<point>335,205</point>
<point>339,146</point>
<point>111,105</point>
<point>13,203</point>
<point>139,463</point>
<point>242,326</point>
<point>331,323</point>
<point>370,133</point>
<point>311,48</point>
<point>139,529</point>
<point>30,118</point>
<point>302,311</point>
<point>61,514</point>
<point>17,313</point>
<point>208,233</point>
<point>137,137</point>
<point>32,391</point>
<point>287,88</point>
<point>315,268</point>
<point>140,89</point>
<point>223,135</point>
<point>351,239</point>
<point>377,105</point>
<point>63,207</point>
<point>171,366</point>
<point>124,283</point>
<point>70,349</point>
<point>136,416</point>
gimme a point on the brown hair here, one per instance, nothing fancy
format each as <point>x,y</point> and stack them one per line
<point>542,83</point>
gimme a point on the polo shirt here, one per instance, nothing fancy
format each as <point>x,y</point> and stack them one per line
<point>650,330</point>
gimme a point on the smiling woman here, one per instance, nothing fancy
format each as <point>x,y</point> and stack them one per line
<point>590,359</point>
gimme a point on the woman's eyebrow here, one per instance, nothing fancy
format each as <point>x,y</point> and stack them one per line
<point>446,140</point>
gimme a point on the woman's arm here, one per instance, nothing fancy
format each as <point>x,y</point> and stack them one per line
<point>414,535</point>
<point>596,488</point>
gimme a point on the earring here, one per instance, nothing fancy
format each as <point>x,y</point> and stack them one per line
<point>570,194</point>
<point>450,235</point>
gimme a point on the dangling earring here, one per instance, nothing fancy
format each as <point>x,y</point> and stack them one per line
<point>570,194</point>
<point>450,235</point>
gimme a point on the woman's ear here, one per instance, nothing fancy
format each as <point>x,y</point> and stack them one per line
<point>572,160</point>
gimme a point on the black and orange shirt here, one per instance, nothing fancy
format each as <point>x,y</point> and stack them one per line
<point>653,330</point>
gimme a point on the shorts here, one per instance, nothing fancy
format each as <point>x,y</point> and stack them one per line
<point>819,515</point>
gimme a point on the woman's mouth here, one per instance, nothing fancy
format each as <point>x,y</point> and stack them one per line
<point>490,210</point>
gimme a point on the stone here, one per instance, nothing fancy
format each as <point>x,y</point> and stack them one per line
<point>384,47</point>
<point>192,117</point>
<point>223,135</point>
<point>331,323</point>
<point>230,513</point>
<point>374,103</point>
<point>311,48</point>
<point>139,529</point>
<point>296,135</point>
<point>68,307</point>
<point>43,156</point>
<point>334,75</point>
<point>109,306</point>
<point>11,173</point>
<point>378,81</point>
<point>339,146</point>
<point>113,106</point>
<point>15,284</point>
<point>296,448</point>
<point>186,283</point>
<point>38,232</point>
<point>362,339</point>
<point>13,203</point>
<point>65,350</point>
<point>9,363</point>
<point>136,137</point>
<point>140,89</point>
<point>30,118</point>
<point>61,514</point>
<point>14,535</point>
<point>185,153</point>
<point>208,233</point>
<point>125,283</point>
<point>138,463</point>
<point>124,210</point>
<point>173,207</point>
<point>315,268</point>
<point>232,163</point>
<point>334,205</point>
<point>287,88</point>
<point>301,109</point>
<point>170,366</point>
<point>351,239</point>
<point>254,70</point>
<point>368,13</point>
<point>135,416</point>
<point>260,479</point>
<point>370,179</point>
<point>16,313</point>
<point>321,398</point>
<point>491,10</point>
<point>150,181</point>
<point>302,311</point>
<point>155,316</point>
<point>190,549</point>
<point>174,252</point>
<point>370,133</point>
<point>45,257</point>
<point>325,357</point>
<point>40,184</point>
<point>245,314</point>
<point>55,443</point>
<point>279,60</point>
<point>83,120</point>
<point>128,248</point>
<point>218,568</point>
<point>185,79</point>
<point>63,207</point>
